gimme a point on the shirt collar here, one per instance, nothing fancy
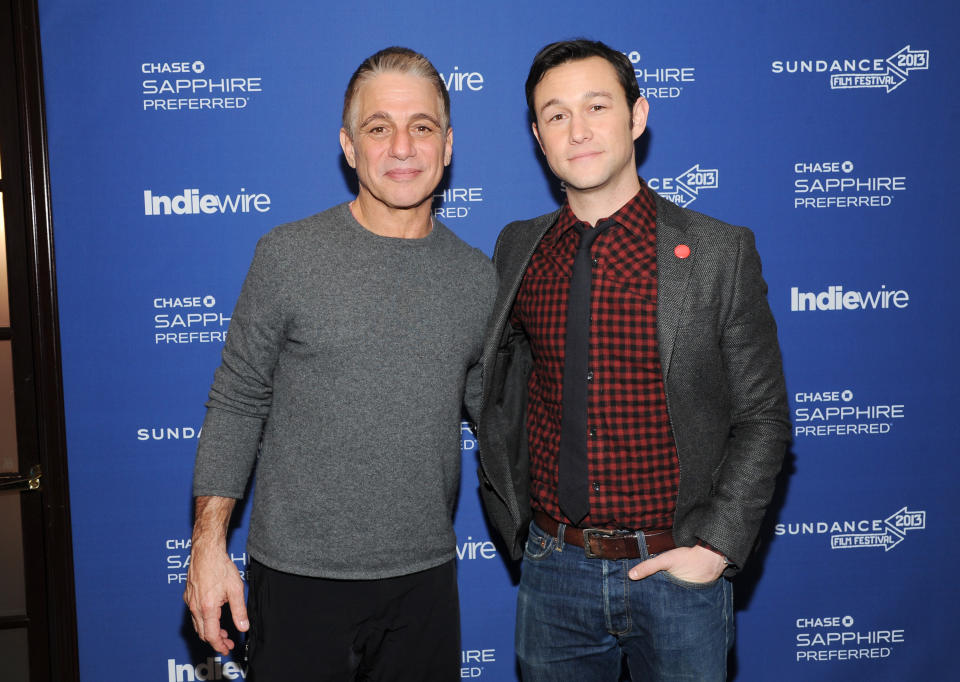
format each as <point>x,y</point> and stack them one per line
<point>638,215</point>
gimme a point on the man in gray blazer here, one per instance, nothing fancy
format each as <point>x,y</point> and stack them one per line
<point>634,409</point>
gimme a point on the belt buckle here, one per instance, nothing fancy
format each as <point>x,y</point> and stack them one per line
<point>600,533</point>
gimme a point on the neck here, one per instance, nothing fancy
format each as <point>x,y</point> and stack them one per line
<point>594,204</point>
<point>388,221</point>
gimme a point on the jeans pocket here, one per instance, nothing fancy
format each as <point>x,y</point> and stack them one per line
<point>539,544</point>
<point>680,582</point>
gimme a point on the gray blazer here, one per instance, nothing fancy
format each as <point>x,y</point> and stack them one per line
<point>724,383</point>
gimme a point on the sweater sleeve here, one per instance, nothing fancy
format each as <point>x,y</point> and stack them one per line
<point>487,287</point>
<point>242,391</point>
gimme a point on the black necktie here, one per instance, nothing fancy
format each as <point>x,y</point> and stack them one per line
<point>574,489</point>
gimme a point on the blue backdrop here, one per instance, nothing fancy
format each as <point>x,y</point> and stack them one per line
<point>181,131</point>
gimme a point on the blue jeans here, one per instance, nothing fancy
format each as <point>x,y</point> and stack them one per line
<point>576,618</point>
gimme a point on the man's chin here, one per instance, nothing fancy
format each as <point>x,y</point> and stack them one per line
<point>401,205</point>
<point>584,185</point>
<point>403,202</point>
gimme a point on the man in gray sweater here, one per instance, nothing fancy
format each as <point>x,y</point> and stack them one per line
<point>353,344</point>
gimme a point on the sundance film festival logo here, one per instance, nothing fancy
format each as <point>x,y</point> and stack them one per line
<point>661,82</point>
<point>863,534</point>
<point>167,433</point>
<point>192,202</point>
<point>835,638</point>
<point>836,184</point>
<point>189,86</point>
<point>837,413</point>
<point>684,189</point>
<point>862,73</point>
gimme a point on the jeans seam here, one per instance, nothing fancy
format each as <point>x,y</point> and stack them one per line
<point>606,595</point>
<point>625,585</point>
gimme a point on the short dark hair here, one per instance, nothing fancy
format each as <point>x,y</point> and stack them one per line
<point>394,60</point>
<point>564,51</point>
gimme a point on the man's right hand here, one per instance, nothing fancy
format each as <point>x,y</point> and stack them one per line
<point>212,581</point>
<point>212,578</point>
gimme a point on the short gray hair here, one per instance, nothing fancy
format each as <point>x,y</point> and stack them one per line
<point>395,60</point>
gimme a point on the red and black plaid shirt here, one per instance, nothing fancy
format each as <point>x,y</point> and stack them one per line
<point>634,471</point>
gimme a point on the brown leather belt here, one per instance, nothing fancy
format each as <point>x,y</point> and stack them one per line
<point>599,543</point>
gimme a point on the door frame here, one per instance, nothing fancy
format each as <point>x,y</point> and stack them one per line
<point>41,433</point>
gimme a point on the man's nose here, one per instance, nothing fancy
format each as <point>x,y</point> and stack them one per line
<point>401,145</point>
<point>579,129</point>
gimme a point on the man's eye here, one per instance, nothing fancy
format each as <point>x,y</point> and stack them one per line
<point>422,130</point>
<point>556,117</point>
<point>597,107</point>
<point>377,130</point>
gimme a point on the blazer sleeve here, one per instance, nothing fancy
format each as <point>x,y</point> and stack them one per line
<point>760,425</point>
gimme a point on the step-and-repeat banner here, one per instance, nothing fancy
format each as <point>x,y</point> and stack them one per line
<point>182,131</point>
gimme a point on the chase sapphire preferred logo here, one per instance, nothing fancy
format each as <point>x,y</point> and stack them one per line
<point>190,85</point>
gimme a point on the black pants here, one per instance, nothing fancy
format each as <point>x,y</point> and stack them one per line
<point>386,630</point>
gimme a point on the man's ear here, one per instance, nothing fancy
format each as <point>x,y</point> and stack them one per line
<point>536,134</point>
<point>448,147</point>
<point>347,145</point>
<point>640,110</point>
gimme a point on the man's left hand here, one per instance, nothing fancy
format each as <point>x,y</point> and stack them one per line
<point>690,564</point>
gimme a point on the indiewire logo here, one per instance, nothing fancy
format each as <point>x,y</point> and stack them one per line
<point>472,549</point>
<point>835,298</point>
<point>211,669</point>
<point>458,81</point>
<point>191,202</point>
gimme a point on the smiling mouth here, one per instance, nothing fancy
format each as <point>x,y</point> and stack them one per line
<point>583,156</point>
<point>403,173</point>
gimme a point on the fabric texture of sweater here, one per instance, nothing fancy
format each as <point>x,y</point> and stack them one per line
<point>347,360</point>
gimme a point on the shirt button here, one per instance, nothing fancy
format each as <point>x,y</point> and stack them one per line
<point>596,487</point>
<point>596,262</point>
<point>589,376</point>
<point>593,433</point>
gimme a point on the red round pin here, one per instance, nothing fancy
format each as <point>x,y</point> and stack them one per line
<point>681,251</point>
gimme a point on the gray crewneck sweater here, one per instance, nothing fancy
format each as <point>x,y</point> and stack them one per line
<point>346,364</point>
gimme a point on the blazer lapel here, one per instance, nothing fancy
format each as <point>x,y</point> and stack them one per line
<point>519,267</point>
<point>516,266</point>
<point>673,276</point>
<point>515,260</point>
